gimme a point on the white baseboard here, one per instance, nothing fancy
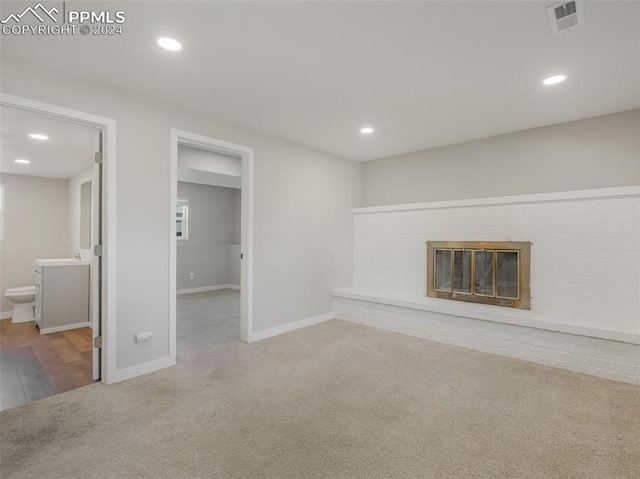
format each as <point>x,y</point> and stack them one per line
<point>151,366</point>
<point>66,327</point>
<point>285,328</point>
<point>204,289</point>
<point>6,314</point>
<point>141,369</point>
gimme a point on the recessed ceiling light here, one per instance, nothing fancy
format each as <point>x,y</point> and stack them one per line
<point>22,162</point>
<point>38,136</point>
<point>366,129</point>
<point>554,79</point>
<point>169,44</point>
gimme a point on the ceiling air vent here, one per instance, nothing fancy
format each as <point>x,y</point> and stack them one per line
<point>565,15</point>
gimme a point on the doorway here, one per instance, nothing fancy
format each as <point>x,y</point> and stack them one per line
<point>209,170</point>
<point>51,184</point>
<point>89,222</point>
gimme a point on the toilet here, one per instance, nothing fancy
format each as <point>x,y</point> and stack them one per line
<point>24,300</point>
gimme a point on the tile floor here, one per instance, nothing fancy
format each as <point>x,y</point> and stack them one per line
<point>22,380</point>
<point>34,366</point>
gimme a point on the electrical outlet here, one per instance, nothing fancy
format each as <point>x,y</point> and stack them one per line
<point>192,276</point>
<point>143,337</point>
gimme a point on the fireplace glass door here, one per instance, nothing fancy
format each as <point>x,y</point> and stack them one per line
<point>482,272</point>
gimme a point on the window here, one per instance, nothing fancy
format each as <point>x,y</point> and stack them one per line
<point>182,219</point>
<point>481,272</point>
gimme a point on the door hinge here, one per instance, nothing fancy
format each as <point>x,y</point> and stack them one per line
<point>97,250</point>
<point>97,342</point>
<point>241,256</point>
<point>98,157</point>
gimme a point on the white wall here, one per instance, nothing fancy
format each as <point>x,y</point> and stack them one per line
<point>303,238</point>
<point>36,226</point>
<point>203,160</point>
<point>594,153</point>
<point>208,168</point>
<point>74,210</point>
<point>208,250</point>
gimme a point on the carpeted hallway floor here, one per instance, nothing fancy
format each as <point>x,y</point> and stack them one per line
<point>205,320</point>
<point>335,400</point>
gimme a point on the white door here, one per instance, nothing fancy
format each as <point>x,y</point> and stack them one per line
<point>96,263</point>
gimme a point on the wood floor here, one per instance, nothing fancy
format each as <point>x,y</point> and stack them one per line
<point>35,366</point>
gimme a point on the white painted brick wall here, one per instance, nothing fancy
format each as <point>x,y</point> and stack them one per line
<point>599,357</point>
<point>585,260</point>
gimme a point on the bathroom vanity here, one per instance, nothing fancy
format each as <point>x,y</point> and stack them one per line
<point>62,294</point>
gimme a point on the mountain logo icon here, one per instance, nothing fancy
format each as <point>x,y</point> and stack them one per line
<point>38,11</point>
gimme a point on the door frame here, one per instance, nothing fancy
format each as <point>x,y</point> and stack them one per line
<point>180,137</point>
<point>108,128</point>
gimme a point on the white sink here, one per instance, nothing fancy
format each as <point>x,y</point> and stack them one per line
<point>62,262</point>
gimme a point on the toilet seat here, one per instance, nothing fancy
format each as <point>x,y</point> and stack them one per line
<point>20,291</point>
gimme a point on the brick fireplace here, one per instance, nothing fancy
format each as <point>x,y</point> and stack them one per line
<point>582,311</point>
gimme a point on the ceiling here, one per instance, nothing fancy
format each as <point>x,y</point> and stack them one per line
<point>423,74</point>
<point>68,151</point>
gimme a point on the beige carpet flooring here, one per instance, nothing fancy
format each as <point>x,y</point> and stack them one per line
<point>335,400</point>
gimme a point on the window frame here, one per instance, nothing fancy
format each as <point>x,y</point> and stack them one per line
<point>521,248</point>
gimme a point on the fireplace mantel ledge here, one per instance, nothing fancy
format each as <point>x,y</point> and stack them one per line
<point>613,192</point>
<point>516,317</point>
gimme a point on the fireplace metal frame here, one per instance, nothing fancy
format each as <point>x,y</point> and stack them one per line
<point>523,248</point>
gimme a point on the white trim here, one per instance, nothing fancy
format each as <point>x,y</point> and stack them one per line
<point>108,128</point>
<point>6,315</point>
<point>173,244</point>
<point>484,312</point>
<point>622,191</point>
<point>246,247</point>
<point>66,327</point>
<point>205,289</point>
<point>96,230</point>
<point>285,328</point>
<point>141,369</point>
